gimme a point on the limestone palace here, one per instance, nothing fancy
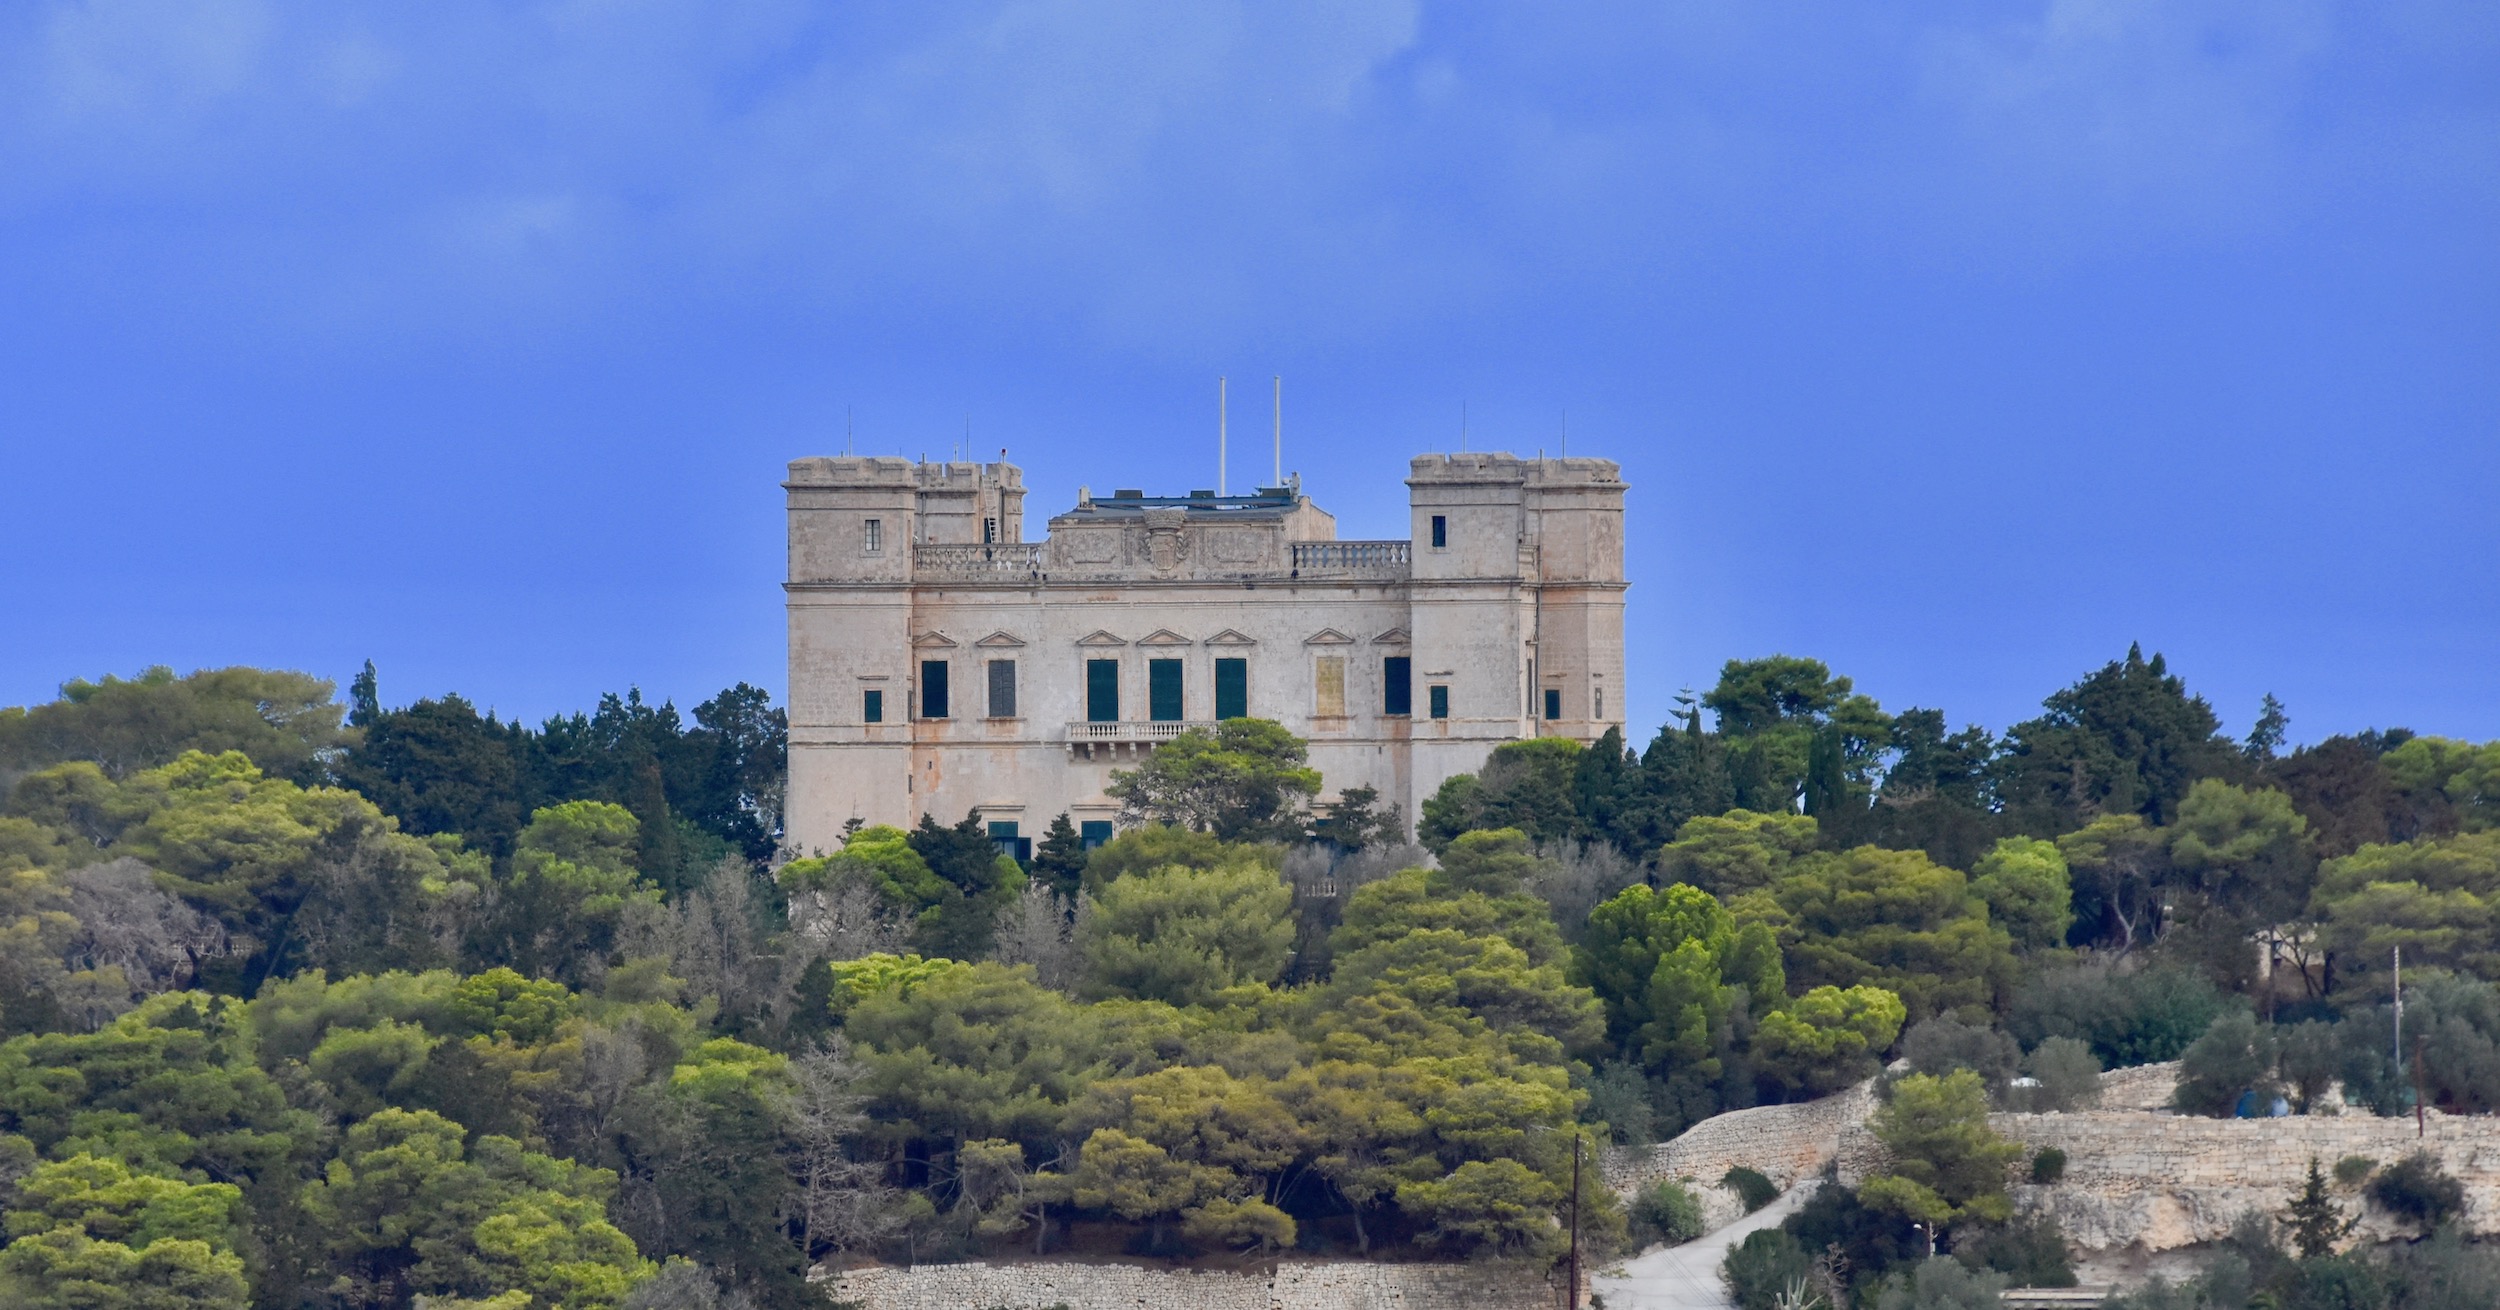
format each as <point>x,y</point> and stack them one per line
<point>942,664</point>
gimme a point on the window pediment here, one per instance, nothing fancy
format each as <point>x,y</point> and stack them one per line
<point>1228,637</point>
<point>933,640</point>
<point>1328,637</point>
<point>1100,639</point>
<point>999,640</point>
<point>1164,637</point>
<point>1393,637</point>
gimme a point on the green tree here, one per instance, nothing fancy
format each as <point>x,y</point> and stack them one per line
<point>64,1269</point>
<point>1243,780</point>
<point>441,767</point>
<point>2025,883</point>
<point>2233,1058</point>
<point>976,882</point>
<point>1059,861</point>
<point>1495,1207</point>
<point>1530,786</point>
<point>2127,739</point>
<point>1668,969</point>
<point>1895,920</point>
<point>2463,774</point>
<point>573,874</point>
<point>1946,1165</point>
<point>286,723</point>
<point>2118,867</point>
<point>709,1138</point>
<point>1828,1038</point>
<point>2438,898</point>
<point>1740,851</point>
<point>1183,935</point>
<point>1772,712</point>
<point>408,1208</point>
<point>2317,1222</point>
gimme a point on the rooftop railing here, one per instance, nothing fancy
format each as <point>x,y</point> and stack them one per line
<point>1352,556</point>
<point>1015,557</point>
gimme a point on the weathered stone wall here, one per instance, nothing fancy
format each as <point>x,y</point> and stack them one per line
<point>1784,1142</point>
<point>1340,1285</point>
<point>2161,1181</point>
<point>2144,1087</point>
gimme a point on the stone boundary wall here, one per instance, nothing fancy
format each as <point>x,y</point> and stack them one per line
<point>2162,1181</point>
<point>1335,1285</point>
<point>2144,1087</point>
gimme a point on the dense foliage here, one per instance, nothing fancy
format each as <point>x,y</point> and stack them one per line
<point>306,1003</point>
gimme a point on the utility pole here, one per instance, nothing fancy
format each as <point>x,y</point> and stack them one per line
<point>2420,1128</point>
<point>1571,1294</point>
<point>2396,1052</point>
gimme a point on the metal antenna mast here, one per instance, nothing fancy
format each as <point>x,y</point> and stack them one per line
<point>1280,430</point>
<point>1222,408</point>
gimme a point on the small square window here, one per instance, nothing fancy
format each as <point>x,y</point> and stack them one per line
<point>872,535</point>
<point>1093,832</point>
<point>872,706</point>
<point>1553,702</point>
<point>1439,697</point>
<point>1440,531</point>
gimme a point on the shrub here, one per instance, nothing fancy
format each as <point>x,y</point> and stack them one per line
<point>2048,1166</point>
<point>1766,1267</point>
<point>2128,1019</point>
<point>2350,1170</point>
<point>2417,1190</point>
<point>1943,1044</point>
<point>2068,1072</point>
<point>1665,1211</point>
<point>2030,1251</point>
<point>1940,1285</point>
<point>2235,1056</point>
<point>1751,1187</point>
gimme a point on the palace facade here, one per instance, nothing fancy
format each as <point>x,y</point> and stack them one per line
<point>941,664</point>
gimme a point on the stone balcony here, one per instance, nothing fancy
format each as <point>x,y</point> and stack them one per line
<point>1136,736</point>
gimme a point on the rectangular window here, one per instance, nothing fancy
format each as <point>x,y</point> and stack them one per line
<point>1553,702</point>
<point>1440,531</point>
<point>1397,685</point>
<point>1102,691</point>
<point>989,531</point>
<point>1003,836</point>
<point>1331,687</point>
<point>1093,832</point>
<point>933,689</point>
<point>1597,703</point>
<point>1232,689</point>
<point>872,706</point>
<point>873,535</point>
<point>1002,689</point>
<point>1440,696</point>
<point>1163,690</point>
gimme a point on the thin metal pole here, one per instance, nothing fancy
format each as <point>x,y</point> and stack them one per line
<point>2397,1050</point>
<point>1280,430</point>
<point>1222,409</point>
<point>1571,1295</point>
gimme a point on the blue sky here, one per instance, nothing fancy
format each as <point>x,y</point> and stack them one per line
<point>1956,344</point>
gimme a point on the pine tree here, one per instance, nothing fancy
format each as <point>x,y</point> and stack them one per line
<point>2266,737</point>
<point>2318,1223</point>
<point>1059,859</point>
<point>364,699</point>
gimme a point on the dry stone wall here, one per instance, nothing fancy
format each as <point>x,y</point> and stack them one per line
<point>2163,1181</point>
<point>1336,1285</point>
